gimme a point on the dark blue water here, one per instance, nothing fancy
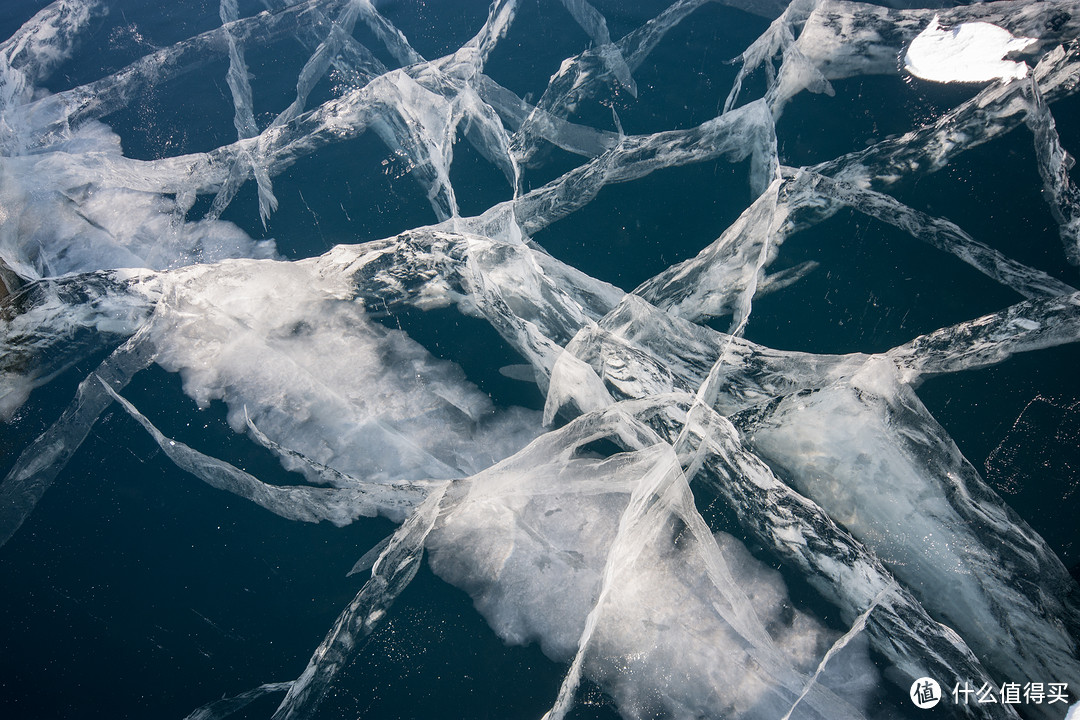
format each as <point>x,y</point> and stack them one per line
<point>135,590</point>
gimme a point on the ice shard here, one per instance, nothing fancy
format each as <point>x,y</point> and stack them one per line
<point>395,567</point>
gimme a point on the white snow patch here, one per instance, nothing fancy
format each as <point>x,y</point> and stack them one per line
<point>968,52</point>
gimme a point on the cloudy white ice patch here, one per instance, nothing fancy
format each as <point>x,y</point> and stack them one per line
<point>300,359</point>
<point>69,201</point>
<point>969,52</point>
<point>64,211</point>
<point>650,599</point>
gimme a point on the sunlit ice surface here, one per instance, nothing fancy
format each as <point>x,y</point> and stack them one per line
<point>540,359</point>
<point>969,52</point>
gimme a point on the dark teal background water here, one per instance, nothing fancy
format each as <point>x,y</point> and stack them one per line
<point>135,590</point>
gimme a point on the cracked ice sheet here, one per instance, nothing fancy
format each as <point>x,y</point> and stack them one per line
<point>722,278</point>
<point>81,175</point>
<point>679,343</point>
<point>63,215</point>
<point>621,540</point>
<point>328,387</point>
<point>258,265</point>
<point>490,293</point>
<point>837,39</point>
<point>317,376</point>
<point>58,216</point>
<point>670,340</point>
<point>411,118</point>
<point>795,527</point>
<point>1061,193</point>
<point>54,115</point>
<point>395,567</point>
<point>534,301</point>
<point>278,146</point>
<point>407,117</point>
<point>870,454</point>
<point>747,132</point>
<point>887,466</point>
<point>39,463</point>
<point>798,530</point>
<point>595,73</point>
<point>394,105</point>
<point>339,505</point>
<point>529,297</point>
<point>50,325</point>
<point>445,206</point>
<point>30,55</point>
<point>995,111</point>
<point>410,107</point>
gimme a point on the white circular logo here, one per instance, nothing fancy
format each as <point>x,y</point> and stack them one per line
<point>925,693</point>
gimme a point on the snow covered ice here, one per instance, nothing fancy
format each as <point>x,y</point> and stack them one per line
<point>655,361</point>
<point>969,52</point>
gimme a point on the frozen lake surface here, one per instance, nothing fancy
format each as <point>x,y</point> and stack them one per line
<point>539,359</point>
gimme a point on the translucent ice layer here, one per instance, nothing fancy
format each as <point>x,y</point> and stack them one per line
<point>695,462</point>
